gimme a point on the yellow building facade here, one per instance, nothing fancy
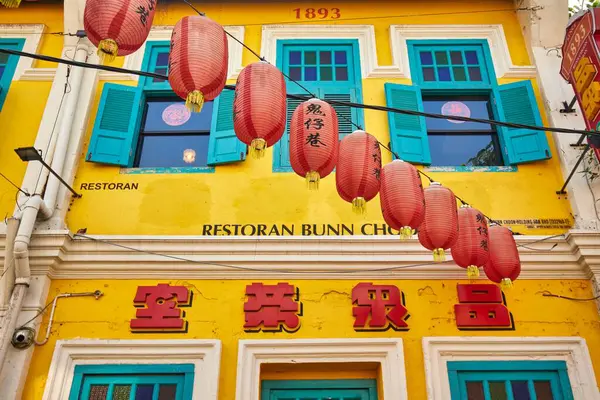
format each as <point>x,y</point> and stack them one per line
<point>188,269</point>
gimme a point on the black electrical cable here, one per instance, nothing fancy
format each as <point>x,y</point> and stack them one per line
<point>12,183</point>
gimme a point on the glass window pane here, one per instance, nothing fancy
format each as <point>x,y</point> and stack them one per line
<point>341,73</point>
<point>174,151</point>
<point>296,73</point>
<point>173,116</point>
<point>1,71</point>
<point>456,57</point>
<point>498,390</point>
<point>161,71</point>
<point>295,58</point>
<point>326,74</point>
<point>162,59</point>
<point>444,74</point>
<point>475,74</point>
<point>310,73</point>
<point>459,74</point>
<point>471,57</point>
<point>340,57</point>
<point>167,392</point>
<point>310,58</point>
<point>475,391</point>
<point>98,392</point>
<point>428,74</point>
<point>426,58</point>
<point>121,392</point>
<point>325,57</point>
<point>144,392</point>
<point>475,107</point>
<point>543,390</point>
<point>3,58</point>
<point>520,390</point>
<point>441,58</point>
<point>464,150</point>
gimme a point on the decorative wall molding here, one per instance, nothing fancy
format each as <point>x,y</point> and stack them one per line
<point>204,354</point>
<point>32,33</point>
<point>387,352</point>
<point>573,350</point>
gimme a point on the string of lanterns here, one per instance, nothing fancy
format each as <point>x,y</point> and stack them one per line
<point>198,72</point>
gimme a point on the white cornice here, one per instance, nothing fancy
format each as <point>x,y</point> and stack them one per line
<point>32,33</point>
<point>55,253</point>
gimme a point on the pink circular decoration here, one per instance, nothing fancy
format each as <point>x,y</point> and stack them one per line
<point>456,109</point>
<point>176,115</point>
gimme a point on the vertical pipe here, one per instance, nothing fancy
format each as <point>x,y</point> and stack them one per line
<point>8,280</point>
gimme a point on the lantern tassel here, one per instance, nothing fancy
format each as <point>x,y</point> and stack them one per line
<point>10,3</point>
<point>472,271</point>
<point>359,205</point>
<point>258,147</point>
<point>506,284</point>
<point>439,255</point>
<point>107,50</point>
<point>312,180</point>
<point>194,101</point>
<point>406,232</point>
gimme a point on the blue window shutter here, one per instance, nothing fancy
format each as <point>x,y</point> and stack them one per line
<point>281,150</point>
<point>515,102</point>
<point>224,147</point>
<point>115,130</point>
<point>346,115</point>
<point>408,133</point>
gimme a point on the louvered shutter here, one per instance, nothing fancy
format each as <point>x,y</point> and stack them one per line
<point>347,116</point>
<point>281,152</point>
<point>516,103</point>
<point>223,146</point>
<point>115,130</point>
<point>408,133</point>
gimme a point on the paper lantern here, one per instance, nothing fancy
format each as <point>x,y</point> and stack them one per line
<point>118,27</point>
<point>259,108</point>
<point>439,230</point>
<point>504,265</point>
<point>471,249</point>
<point>358,169</point>
<point>198,60</point>
<point>402,198</point>
<point>314,141</point>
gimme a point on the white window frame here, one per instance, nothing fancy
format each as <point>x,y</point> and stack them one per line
<point>32,33</point>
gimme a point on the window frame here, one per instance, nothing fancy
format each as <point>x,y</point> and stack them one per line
<point>10,66</point>
<point>269,388</point>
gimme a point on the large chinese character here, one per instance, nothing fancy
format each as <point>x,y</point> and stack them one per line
<point>384,304</point>
<point>316,123</point>
<point>144,14</point>
<point>314,140</point>
<point>482,307</point>
<point>272,308</point>
<point>161,311</point>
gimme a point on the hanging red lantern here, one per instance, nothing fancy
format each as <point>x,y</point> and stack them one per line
<point>504,265</point>
<point>118,27</point>
<point>439,230</point>
<point>358,169</point>
<point>198,60</point>
<point>402,198</point>
<point>259,108</point>
<point>471,249</point>
<point>314,141</point>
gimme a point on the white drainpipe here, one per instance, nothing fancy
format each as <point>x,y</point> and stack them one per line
<point>44,208</point>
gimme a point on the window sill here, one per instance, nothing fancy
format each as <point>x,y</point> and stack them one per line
<point>168,170</point>
<point>503,168</point>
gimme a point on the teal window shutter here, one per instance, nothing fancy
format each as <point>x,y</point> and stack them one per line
<point>408,133</point>
<point>223,146</point>
<point>347,116</point>
<point>282,148</point>
<point>516,103</point>
<point>115,130</point>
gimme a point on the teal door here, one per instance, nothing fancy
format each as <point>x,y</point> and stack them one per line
<point>356,389</point>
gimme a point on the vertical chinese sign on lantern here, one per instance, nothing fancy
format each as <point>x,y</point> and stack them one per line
<point>581,68</point>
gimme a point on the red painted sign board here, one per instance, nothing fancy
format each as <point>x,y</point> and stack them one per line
<point>482,307</point>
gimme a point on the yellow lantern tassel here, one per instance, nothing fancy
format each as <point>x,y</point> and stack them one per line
<point>194,101</point>
<point>11,3</point>
<point>312,180</point>
<point>406,232</point>
<point>439,255</point>
<point>258,147</point>
<point>506,284</point>
<point>472,271</point>
<point>107,50</point>
<point>359,205</point>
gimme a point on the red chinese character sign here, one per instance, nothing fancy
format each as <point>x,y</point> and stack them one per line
<point>159,308</point>
<point>482,307</point>
<point>378,308</point>
<point>581,66</point>
<point>272,308</point>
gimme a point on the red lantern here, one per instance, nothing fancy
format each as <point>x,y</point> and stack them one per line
<point>118,27</point>
<point>471,248</point>
<point>314,141</point>
<point>504,265</point>
<point>259,108</point>
<point>198,60</point>
<point>358,169</point>
<point>402,198</point>
<point>439,230</point>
